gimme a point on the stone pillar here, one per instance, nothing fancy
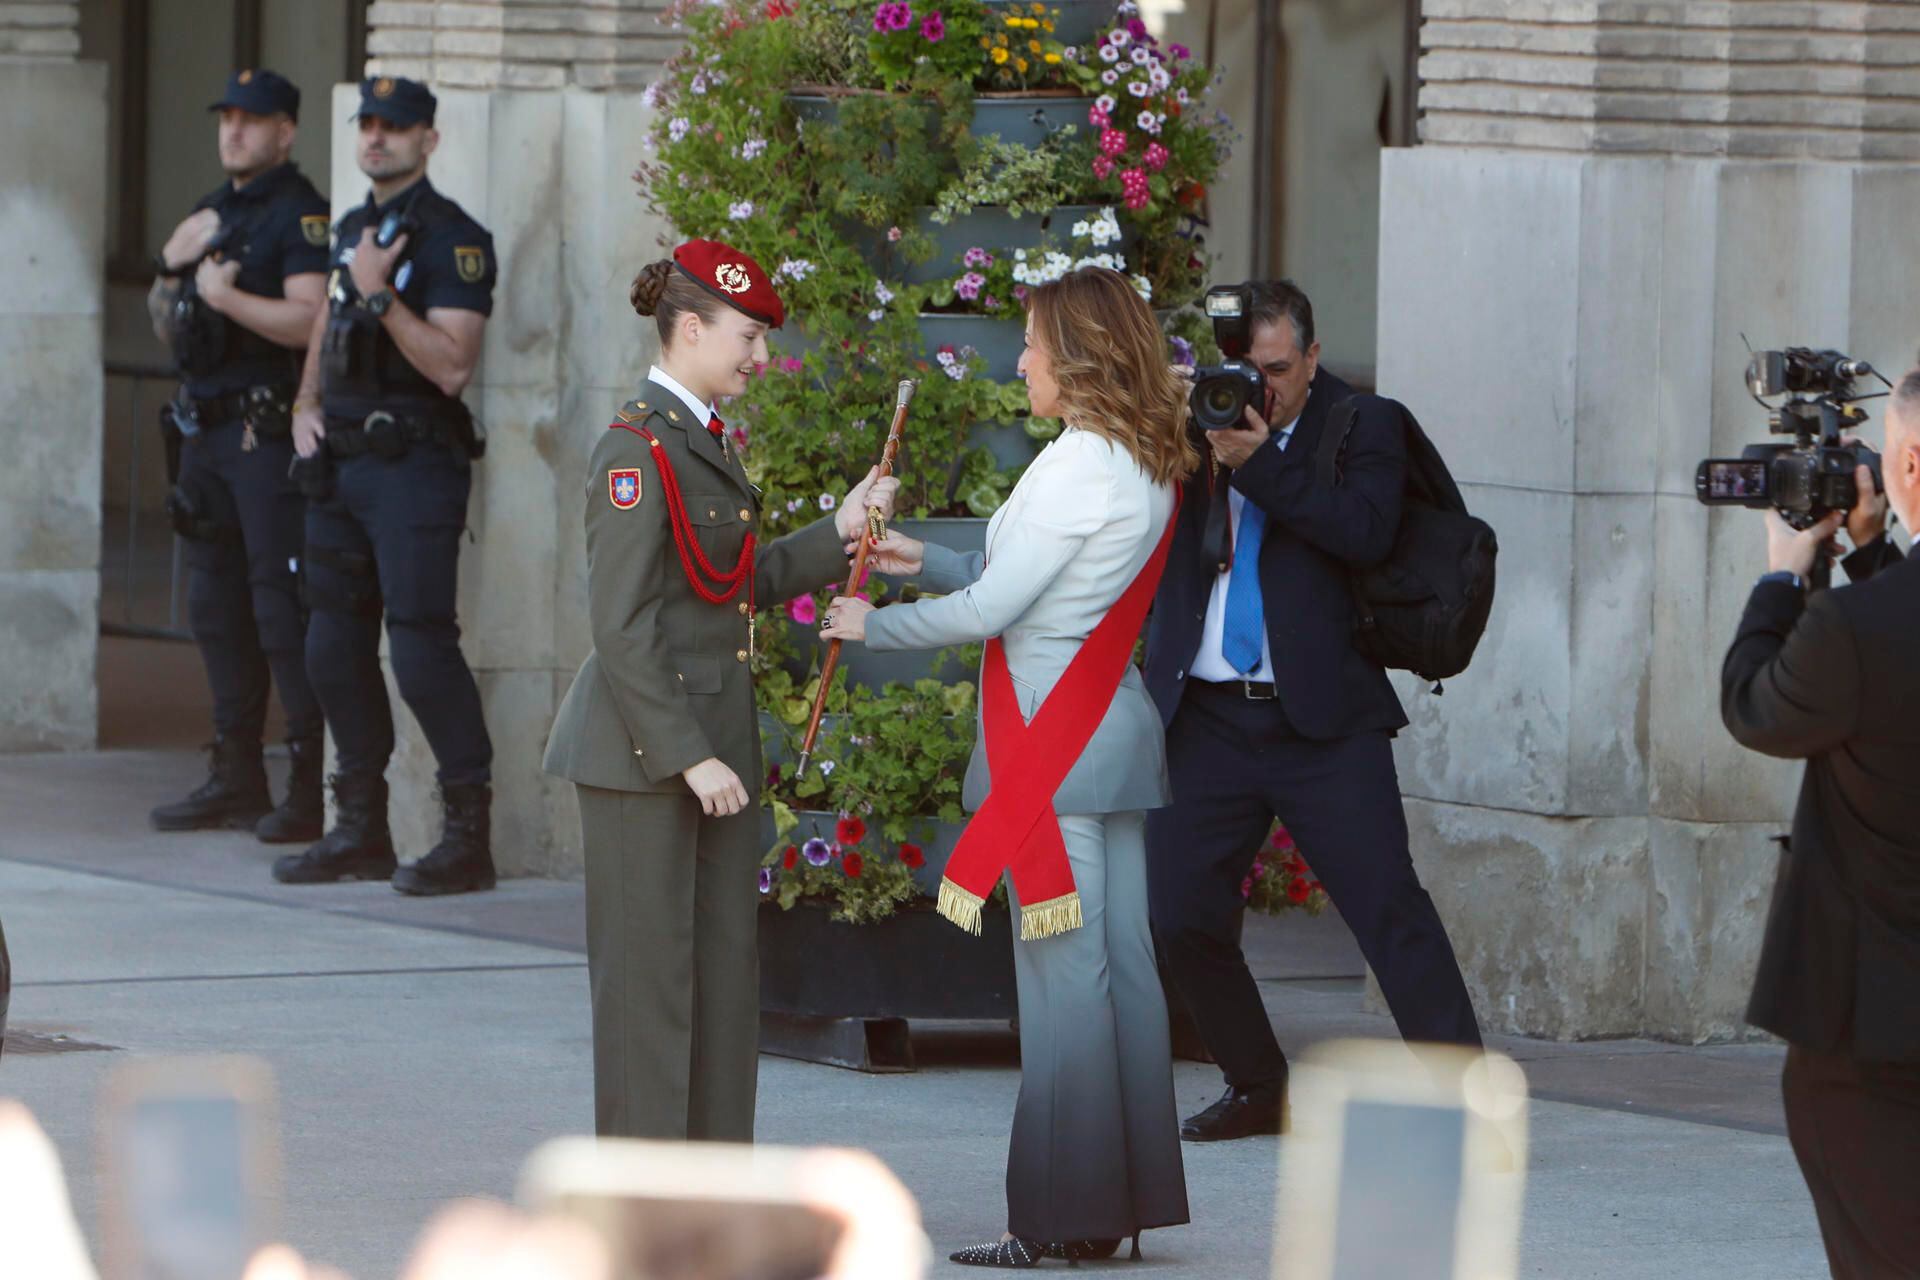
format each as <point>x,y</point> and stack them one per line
<point>53,155</point>
<point>541,128</point>
<point>1612,193</point>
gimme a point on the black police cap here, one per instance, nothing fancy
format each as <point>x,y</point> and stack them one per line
<point>264,93</point>
<point>403,103</point>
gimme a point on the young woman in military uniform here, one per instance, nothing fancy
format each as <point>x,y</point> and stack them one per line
<point>659,732</point>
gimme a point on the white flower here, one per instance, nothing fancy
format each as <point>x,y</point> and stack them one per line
<point>1103,230</point>
<point>1106,102</point>
<point>875,316</point>
<point>826,768</point>
<point>1180,96</point>
<point>1138,88</point>
<point>699,84</point>
<point>1127,9</point>
<point>1143,287</point>
<point>946,359</point>
<point>956,371</point>
<point>740,209</point>
<point>1140,56</point>
<point>651,98</point>
<point>1109,54</point>
<point>677,128</point>
<point>1119,38</point>
<point>827,502</point>
<point>716,75</point>
<point>1081,228</point>
<point>795,505</point>
<point>1158,78</point>
<point>882,293</point>
<point>795,269</point>
<point>1149,121</point>
<point>751,148</point>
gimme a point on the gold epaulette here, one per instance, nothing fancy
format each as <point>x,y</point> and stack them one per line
<point>633,409</point>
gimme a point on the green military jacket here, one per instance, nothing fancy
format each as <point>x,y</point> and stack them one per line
<point>668,682</point>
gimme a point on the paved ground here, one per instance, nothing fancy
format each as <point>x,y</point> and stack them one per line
<point>424,1048</point>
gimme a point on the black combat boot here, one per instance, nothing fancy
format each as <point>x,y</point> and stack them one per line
<point>302,816</point>
<point>234,794</point>
<point>462,862</point>
<point>358,848</point>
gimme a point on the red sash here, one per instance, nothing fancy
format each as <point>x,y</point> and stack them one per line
<point>1016,828</point>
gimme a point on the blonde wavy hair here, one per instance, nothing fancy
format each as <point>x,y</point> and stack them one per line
<point>1110,360</point>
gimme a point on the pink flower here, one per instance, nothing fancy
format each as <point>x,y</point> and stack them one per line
<point>893,234</point>
<point>1112,142</point>
<point>1102,166</point>
<point>740,436</point>
<point>1157,157</point>
<point>790,364</point>
<point>934,29</point>
<point>1135,192</point>
<point>968,286</point>
<point>1180,52</point>
<point>1098,118</point>
<point>1246,887</point>
<point>803,610</point>
<point>978,257</point>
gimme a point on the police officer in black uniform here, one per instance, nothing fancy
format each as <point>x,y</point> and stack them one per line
<point>238,287</point>
<point>387,451</point>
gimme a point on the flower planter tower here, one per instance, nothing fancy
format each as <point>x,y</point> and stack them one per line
<point>908,170</point>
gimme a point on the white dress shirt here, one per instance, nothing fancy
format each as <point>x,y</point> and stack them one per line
<point>702,413</point>
<point>1210,663</point>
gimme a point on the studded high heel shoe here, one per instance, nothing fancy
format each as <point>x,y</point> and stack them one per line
<point>1091,1250</point>
<point>1012,1252</point>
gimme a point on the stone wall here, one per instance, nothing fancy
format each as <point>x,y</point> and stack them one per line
<point>50,385</point>
<point>1609,207</point>
<point>540,135</point>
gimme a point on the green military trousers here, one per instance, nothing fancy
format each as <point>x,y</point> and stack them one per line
<point>674,962</point>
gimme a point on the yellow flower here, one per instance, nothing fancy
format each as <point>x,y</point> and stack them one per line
<point>1020,64</point>
<point>1053,58</point>
<point>1013,22</point>
<point>985,43</point>
<point>1001,39</point>
<point>999,55</point>
<point>1047,26</point>
<point>1033,46</point>
<point>1038,7</point>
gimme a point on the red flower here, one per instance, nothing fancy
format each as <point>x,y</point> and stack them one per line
<point>1298,891</point>
<point>777,9</point>
<point>790,857</point>
<point>852,864</point>
<point>850,830</point>
<point>911,855</point>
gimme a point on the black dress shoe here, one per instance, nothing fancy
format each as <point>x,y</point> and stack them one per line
<point>1240,1113</point>
<point>1090,1250</point>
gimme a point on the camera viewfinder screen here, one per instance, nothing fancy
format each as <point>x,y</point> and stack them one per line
<point>1737,480</point>
<point>1401,1179</point>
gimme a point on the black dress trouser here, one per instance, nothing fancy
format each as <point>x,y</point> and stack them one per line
<point>1855,1127</point>
<point>1236,765</point>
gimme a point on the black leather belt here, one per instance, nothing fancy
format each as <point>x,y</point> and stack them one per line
<point>1251,690</point>
<point>232,406</point>
<point>386,434</point>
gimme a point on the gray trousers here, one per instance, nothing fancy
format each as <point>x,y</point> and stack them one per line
<point>1096,1140</point>
<point>674,962</point>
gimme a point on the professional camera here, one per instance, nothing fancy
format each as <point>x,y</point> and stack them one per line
<point>1222,392</point>
<point>1812,477</point>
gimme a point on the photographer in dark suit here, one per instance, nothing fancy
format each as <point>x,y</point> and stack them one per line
<point>1835,680</point>
<point>1271,712</point>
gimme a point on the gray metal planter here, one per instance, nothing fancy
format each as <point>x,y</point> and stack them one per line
<point>1023,119</point>
<point>992,228</point>
<point>1079,21</point>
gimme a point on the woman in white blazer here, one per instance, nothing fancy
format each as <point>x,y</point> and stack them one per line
<point>1095,1155</point>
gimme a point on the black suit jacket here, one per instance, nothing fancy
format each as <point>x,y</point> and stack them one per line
<point>1313,536</point>
<point>1836,681</point>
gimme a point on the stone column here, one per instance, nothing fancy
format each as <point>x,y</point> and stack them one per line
<point>541,128</point>
<point>1614,196</point>
<point>53,158</point>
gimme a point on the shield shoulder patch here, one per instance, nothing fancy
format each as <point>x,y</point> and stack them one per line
<point>470,260</point>
<point>623,487</point>
<point>314,227</point>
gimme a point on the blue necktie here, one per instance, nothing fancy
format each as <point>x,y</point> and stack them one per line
<point>1245,625</point>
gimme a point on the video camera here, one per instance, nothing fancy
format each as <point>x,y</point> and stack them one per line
<point>1222,392</point>
<point>1814,476</point>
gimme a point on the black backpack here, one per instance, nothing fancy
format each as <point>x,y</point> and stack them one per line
<point>1425,607</point>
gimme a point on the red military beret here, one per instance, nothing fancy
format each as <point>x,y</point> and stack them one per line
<point>732,277</point>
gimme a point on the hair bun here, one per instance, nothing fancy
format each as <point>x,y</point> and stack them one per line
<point>649,285</point>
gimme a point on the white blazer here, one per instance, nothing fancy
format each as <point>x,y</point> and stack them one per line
<point>1075,532</point>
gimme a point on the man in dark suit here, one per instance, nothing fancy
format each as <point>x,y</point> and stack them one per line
<point>1271,712</point>
<point>1835,680</point>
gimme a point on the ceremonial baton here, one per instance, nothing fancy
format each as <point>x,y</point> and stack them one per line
<point>876,530</point>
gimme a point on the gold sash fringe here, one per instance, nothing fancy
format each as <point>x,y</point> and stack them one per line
<point>1046,919</point>
<point>959,906</point>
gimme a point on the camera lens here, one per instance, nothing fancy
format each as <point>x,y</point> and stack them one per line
<point>1221,398</point>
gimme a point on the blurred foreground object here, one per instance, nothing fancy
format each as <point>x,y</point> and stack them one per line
<point>1406,1161</point>
<point>37,1229</point>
